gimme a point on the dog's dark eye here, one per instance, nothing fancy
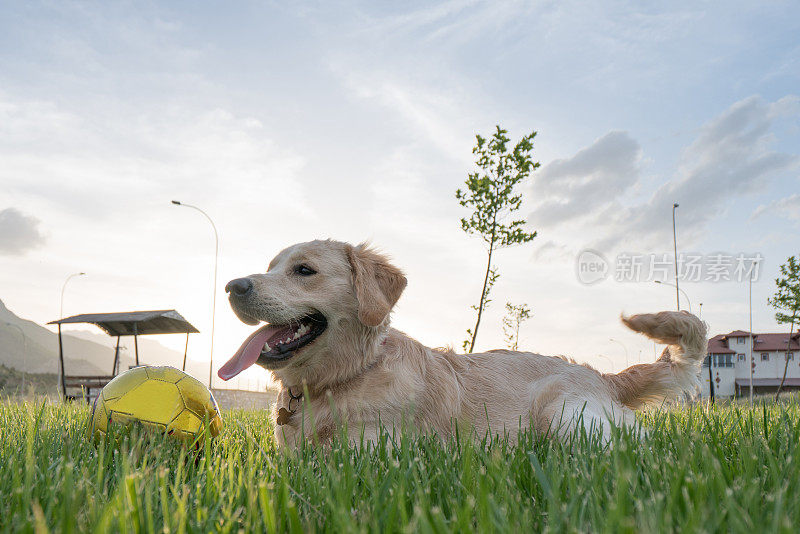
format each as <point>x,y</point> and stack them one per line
<point>304,270</point>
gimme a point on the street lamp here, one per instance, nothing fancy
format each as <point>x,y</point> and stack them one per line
<point>24,352</point>
<point>677,289</point>
<point>675,255</point>
<point>623,346</point>
<point>750,351</point>
<point>64,288</point>
<point>61,316</point>
<point>214,295</point>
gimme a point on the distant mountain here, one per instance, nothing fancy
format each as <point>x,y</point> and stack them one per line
<point>150,351</point>
<point>84,352</point>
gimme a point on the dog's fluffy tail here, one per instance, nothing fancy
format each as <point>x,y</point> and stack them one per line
<point>677,371</point>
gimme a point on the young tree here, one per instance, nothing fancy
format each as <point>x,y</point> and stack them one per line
<point>786,302</point>
<point>515,316</point>
<point>491,196</point>
<point>488,285</point>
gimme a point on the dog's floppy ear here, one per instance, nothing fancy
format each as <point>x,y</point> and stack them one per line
<point>378,284</point>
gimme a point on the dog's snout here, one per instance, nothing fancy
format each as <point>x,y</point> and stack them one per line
<point>239,287</point>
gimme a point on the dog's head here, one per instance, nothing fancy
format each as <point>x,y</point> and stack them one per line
<point>322,300</point>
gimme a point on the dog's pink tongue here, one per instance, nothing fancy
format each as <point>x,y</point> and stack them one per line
<point>247,354</point>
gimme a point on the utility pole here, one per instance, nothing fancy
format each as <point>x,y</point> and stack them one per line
<point>710,379</point>
<point>751,335</point>
<point>675,254</point>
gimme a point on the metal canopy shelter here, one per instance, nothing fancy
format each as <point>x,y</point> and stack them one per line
<point>124,324</point>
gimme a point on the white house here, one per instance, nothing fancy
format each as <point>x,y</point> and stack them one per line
<point>729,353</point>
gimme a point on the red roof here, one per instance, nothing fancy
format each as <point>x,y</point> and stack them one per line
<point>738,333</point>
<point>761,342</point>
<point>718,345</point>
<point>775,342</point>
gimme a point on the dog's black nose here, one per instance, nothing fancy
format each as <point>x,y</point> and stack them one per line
<point>239,287</point>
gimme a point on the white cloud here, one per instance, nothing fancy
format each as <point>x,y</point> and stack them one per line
<point>788,207</point>
<point>550,251</point>
<point>96,164</point>
<point>583,185</point>
<point>434,116</point>
<point>733,155</point>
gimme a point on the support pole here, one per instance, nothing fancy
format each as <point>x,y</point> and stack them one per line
<point>136,341</point>
<point>750,351</point>
<point>61,362</point>
<point>675,257</point>
<point>185,351</point>
<point>116,360</point>
<point>710,378</point>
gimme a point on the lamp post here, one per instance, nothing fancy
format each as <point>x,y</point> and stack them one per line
<point>63,289</point>
<point>214,295</point>
<point>677,289</point>
<point>675,256</point>
<point>623,346</point>
<point>750,298</point>
<point>24,352</point>
<point>700,313</point>
<point>61,316</point>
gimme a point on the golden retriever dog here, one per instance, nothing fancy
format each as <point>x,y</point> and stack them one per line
<point>328,343</point>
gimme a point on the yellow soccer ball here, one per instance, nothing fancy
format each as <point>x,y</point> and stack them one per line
<point>163,399</point>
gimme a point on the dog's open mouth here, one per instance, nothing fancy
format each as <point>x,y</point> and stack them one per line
<point>272,344</point>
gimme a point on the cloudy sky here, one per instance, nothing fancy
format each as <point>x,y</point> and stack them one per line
<point>292,121</point>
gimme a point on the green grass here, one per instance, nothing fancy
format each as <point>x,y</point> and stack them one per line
<point>726,469</point>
